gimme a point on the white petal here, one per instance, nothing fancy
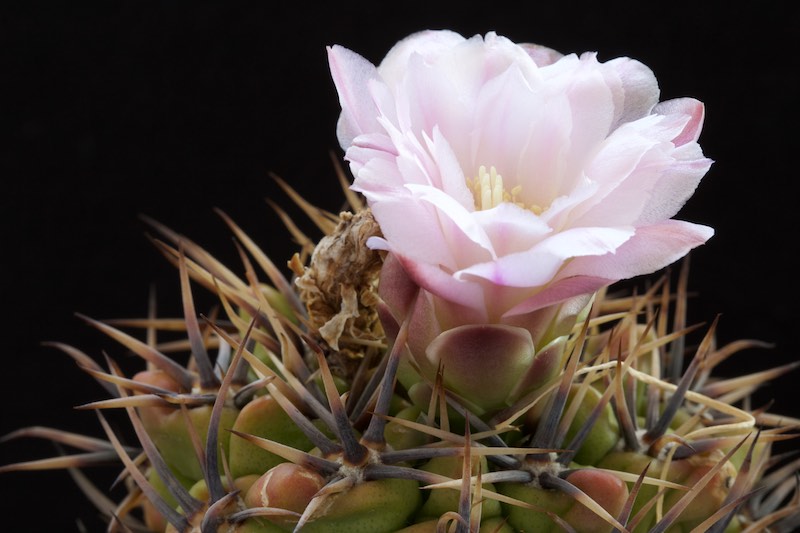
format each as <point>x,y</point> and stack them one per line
<point>652,248</point>
<point>541,264</point>
<point>351,73</point>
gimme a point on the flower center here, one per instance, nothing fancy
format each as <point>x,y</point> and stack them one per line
<point>488,191</point>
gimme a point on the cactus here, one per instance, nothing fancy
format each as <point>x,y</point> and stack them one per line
<point>282,432</point>
<point>299,407</point>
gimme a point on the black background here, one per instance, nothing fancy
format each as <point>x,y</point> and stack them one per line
<point>113,109</point>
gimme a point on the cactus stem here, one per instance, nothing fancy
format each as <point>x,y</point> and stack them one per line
<point>197,445</point>
<point>610,355</point>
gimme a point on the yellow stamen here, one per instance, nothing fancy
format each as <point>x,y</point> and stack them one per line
<point>488,191</point>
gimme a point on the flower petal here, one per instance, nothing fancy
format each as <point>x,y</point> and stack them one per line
<point>542,263</point>
<point>351,73</point>
<point>684,106</point>
<point>650,249</point>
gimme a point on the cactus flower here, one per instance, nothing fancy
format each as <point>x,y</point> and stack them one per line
<point>510,180</point>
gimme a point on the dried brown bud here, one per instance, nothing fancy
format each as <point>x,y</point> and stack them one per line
<point>339,286</point>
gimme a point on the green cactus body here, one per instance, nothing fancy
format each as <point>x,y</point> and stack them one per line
<point>607,490</point>
<point>685,472</point>
<point>441,501</point>
<point>263,417</point>
<point>173,438</point>
<point>371,507</point>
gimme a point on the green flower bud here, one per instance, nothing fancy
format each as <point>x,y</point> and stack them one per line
<point>490,366</point>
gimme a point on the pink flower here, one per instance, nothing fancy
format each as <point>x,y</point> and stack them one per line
<point>509,179</point>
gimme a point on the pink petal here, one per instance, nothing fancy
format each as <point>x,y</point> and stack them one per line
<point>540,264</point>
<point>694,109</point>
<point>652,248</point>
<point>351,73</point>
<point>428,43</point>
<point>556,293</point>
<point>445,286</point>
<point>511,229</point>
<point>541,55</point>
<point>636,88</point>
